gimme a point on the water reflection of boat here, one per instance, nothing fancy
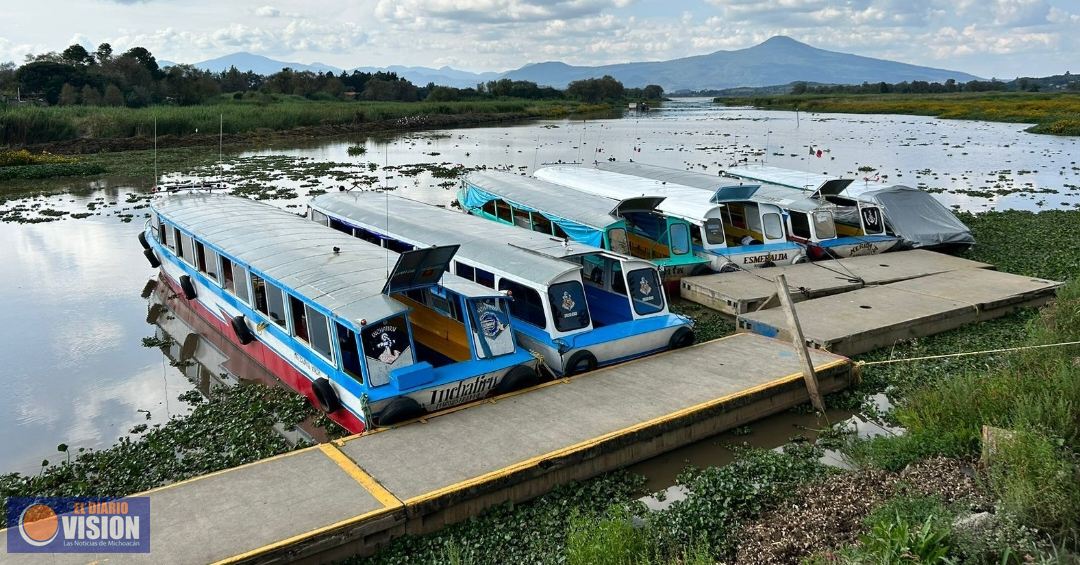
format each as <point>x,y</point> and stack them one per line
<point>336,318</point>
<point>204,355</point>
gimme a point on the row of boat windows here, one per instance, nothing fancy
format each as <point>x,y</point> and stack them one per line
<point>749,217</point>
<point>523,218</point>
<point>824,226</point>
<point>526,304</point>
<point>304,323</point>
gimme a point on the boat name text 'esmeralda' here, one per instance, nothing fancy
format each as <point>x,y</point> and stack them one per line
<point>754,259</point>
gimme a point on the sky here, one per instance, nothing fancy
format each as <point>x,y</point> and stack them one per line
<point>988,38</point>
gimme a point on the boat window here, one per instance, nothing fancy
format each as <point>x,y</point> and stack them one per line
<point>368,236</point>
<point>680,239</point>
<point>485,278</point>
<point>350,353</point>
<point>299,319</point>
<point>258,289</point>
<point>386,347</point>
<point>617,240</point>
<point>568,306</point>
<point>491,328</point>
<point>170,237</point>
<point>645,291</point>
<point>465,271</point>
<point>736,215</point>
<point>871,220</point>
<point>275,301</point>
<point>800,225</point>
<point>210,264</point>
<point>319,217</point>
<point>319,331</point>
<point>558,232</point>
<point>617,282</point>
<point>695,236</point>
<point>187,249</point>
<point>522,218</point>
<point>504,212</point>
<point>398,246</point>
<point>525,303</point>
<point>541,224</point>
<point>774,228</point>
<point>200,256</point>
<point>489,208</point>
<point>824,225</point>
<point>340,226</point>
<point>227,281</point>
<point>714,231</point>
<point>241,282</point>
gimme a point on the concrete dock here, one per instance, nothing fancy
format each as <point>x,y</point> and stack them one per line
<point>349,497</point>
<point>746,291</point>
<point>879,316</point>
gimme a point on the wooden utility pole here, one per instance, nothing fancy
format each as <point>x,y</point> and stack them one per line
<point>800,343</point>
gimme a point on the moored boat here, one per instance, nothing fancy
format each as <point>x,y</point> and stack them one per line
<point>578,306</point>
<point>345,323</point>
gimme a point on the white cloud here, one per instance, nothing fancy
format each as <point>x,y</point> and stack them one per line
<point>267,12</point>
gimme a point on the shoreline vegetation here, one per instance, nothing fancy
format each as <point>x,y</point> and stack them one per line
<point>918,497</point>
<point>1053,114</point>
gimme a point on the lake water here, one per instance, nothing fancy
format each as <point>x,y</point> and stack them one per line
<point>72,358</point>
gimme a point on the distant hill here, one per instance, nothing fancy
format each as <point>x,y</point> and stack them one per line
<point>779,60</point>
<point>443,76</point>
<point>259,64</point>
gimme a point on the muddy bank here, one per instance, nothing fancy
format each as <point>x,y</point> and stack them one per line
<point>411,123</point>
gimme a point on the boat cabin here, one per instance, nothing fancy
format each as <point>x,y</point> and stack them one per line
<point>730,234</point>
<point>576,305</point>
<point>630,226</point>
<point>370,336</point>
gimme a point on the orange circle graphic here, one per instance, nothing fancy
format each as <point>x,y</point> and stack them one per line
<point>39,523</point>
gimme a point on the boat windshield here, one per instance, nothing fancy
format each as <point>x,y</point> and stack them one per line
<point>714,231</point>
<point>568,306</point>
<point>386,347</point>
<point>645,291</point>
<point>871,220</point>
<point>491,327</point>
<point>824,226</point>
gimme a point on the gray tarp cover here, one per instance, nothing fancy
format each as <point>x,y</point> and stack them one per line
<point>917,217</point>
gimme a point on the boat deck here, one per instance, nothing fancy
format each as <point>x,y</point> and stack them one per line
<point>879,316</point>
<point>746,291</point>
<point>349,497</point>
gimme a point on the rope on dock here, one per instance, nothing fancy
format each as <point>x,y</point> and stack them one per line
<point>967,353</point>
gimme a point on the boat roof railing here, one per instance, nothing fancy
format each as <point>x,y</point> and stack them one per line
<point>529,255</point>
<point>340,273</point>
<point>781,196</point>
<point>593,211</point>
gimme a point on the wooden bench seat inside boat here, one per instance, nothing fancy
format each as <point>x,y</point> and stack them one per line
<point>436,331</point>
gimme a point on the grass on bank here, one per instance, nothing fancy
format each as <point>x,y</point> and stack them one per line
<point>23,125</point>
<point>1055,114</point>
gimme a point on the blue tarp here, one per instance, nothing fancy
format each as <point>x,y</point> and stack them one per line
<point>475,198</point>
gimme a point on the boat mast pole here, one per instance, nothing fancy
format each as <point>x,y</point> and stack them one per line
<point>155,183</point>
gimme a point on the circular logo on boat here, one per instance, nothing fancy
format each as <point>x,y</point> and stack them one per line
<point>490,323</point>
<point>567,302</point>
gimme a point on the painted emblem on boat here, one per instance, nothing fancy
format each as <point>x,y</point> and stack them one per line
<point>645,287</point>
<point>491,325</point>
<point>872,218</point>
<point>385,343</point>
<point>567,302</point>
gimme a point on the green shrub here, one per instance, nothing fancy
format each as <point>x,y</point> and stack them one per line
<point>610,540</point>
<point>1038,480</point>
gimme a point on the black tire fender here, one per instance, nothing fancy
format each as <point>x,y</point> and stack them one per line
<point>729,268</point>
<point>188,287</point>
<point>683,337</point>
<point>801,258</point>
<point>142,240</point>
<point>151,257</point>
<point>241,329</point>
<point>522,376</point>
<point>399,410</point>
<point>325,397</point>
<point>580,362</point>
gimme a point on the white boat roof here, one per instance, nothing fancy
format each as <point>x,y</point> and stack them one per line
<point>530,255</point>
<point>298,253</point>
<point>791,178</point>
<point>781,196</point>
<point>592,211</point>
<point>680,201</point>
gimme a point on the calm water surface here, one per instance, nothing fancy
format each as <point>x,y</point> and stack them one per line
<point>73,321</point>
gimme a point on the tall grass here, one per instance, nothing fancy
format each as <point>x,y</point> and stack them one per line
<point>1057,114</point>
<point>26,125</point>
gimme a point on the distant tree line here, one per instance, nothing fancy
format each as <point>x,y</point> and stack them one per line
<point>133,78</point>
<point>1025,84</point>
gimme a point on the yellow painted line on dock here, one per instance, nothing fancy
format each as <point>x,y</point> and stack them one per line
<point>534,461</point>
<point>376,490</point>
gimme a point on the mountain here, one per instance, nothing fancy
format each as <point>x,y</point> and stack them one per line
<point>779,60</point>
<point>443,76</point>
<point>259,64</point>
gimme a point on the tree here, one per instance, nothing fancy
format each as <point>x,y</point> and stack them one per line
<point>7,77</point>
<point>596,89</point>
<point>113,96</point>
<point>77,55</point>
<point>653,92</point>
<point>91,96</point>
<point>145,58</point>
<point>104,53</point>
<point>68,95</point>
<point>48,78</point>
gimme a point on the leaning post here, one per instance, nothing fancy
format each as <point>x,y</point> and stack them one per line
<point>800,343</point>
